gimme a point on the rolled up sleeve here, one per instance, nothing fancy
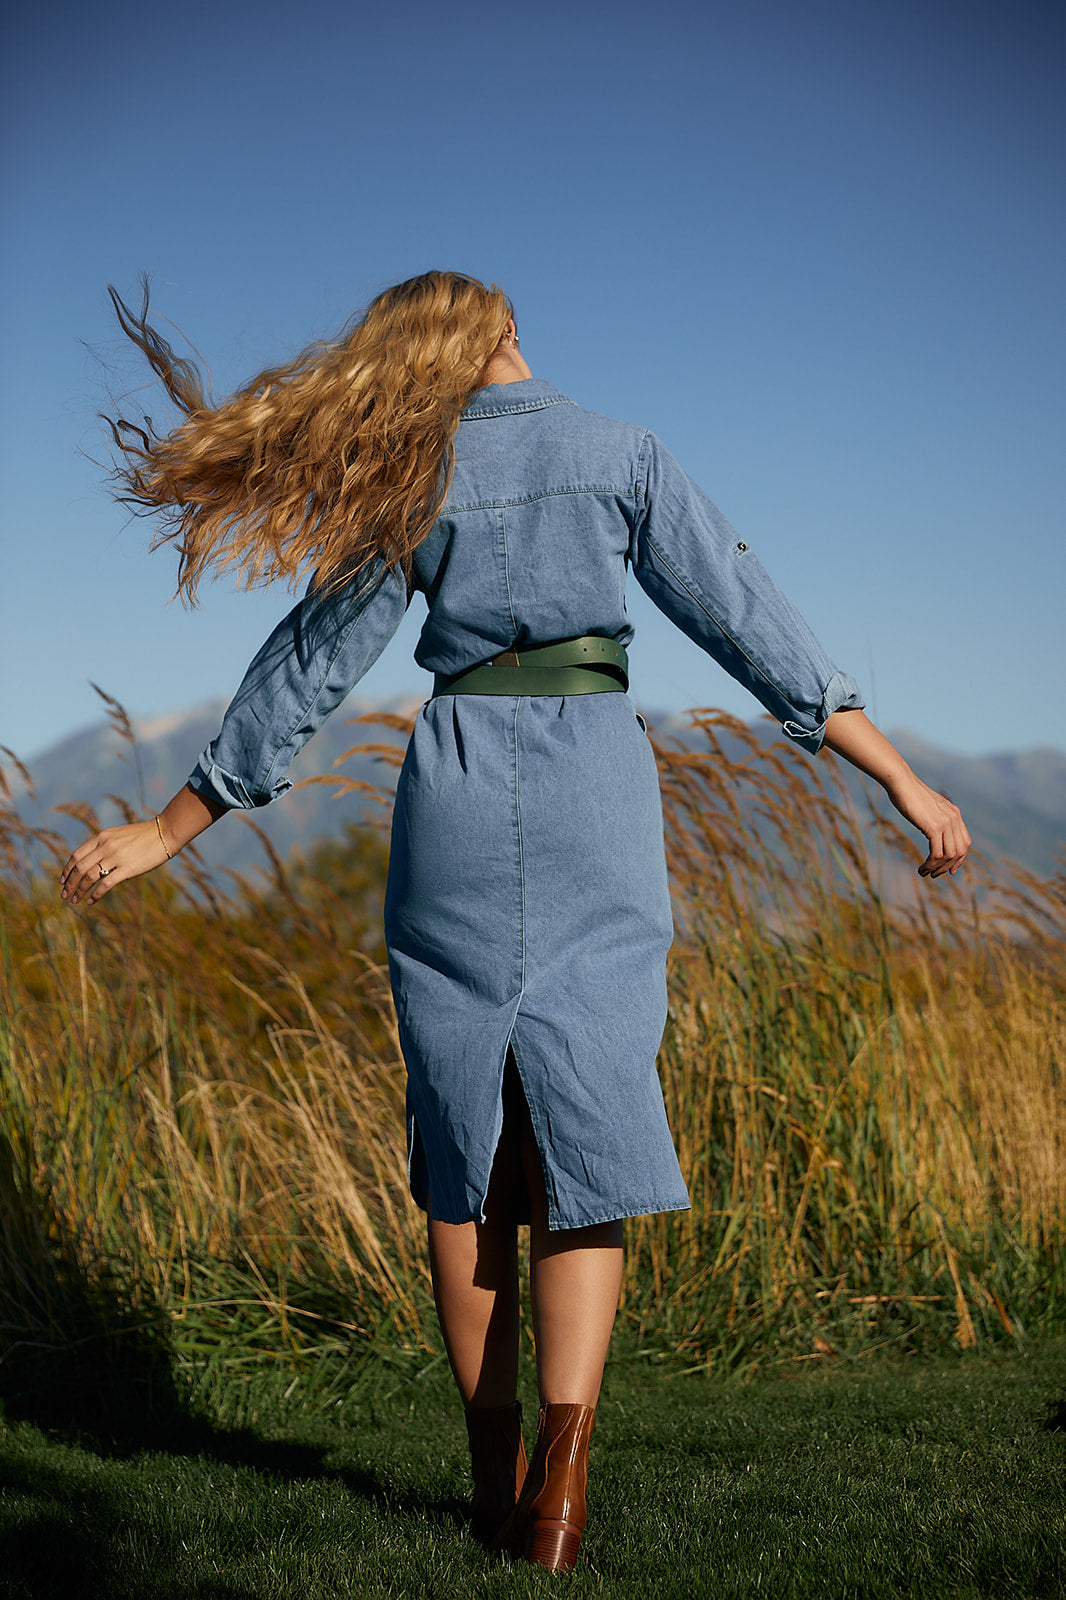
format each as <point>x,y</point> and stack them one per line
<point>690,561</point>
<point>297,679</point>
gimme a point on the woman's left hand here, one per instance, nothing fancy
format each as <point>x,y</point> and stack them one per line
<point>852,735</point>
<point>937,817</point>
<point>110,857</point>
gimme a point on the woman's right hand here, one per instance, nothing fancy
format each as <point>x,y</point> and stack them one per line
<point>111,857</point>
<point>116,854</point>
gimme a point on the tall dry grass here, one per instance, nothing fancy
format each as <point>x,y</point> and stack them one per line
<point>201,1100</point>
<point>864,1073</point>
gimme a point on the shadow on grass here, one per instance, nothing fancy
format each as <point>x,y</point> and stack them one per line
<point>88,1362</point>
<point>1055,1421</point>
<point>68,1528</point>
<point>71,1538</point>
<point>113,1395</point>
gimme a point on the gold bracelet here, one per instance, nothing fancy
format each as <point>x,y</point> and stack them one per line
<point>162,841</point>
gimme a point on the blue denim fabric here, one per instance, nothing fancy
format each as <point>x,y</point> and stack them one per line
<point>527,903</point>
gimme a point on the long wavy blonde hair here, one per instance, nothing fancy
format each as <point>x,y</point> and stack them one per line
<point>343,455</point>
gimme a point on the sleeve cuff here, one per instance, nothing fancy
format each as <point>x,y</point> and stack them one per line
<point>211,782</point>
<point>841,694</point>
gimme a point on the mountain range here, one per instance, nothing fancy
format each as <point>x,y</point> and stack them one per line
<point>1014,802</point>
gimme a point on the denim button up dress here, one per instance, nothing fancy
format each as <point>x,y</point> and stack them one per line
<point>527,902</point>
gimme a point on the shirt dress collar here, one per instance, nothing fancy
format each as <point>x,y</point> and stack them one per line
<point>502,399</point>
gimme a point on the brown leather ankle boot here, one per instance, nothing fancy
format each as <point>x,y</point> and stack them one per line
<point>549,1519</point>
<point>498,1460</point>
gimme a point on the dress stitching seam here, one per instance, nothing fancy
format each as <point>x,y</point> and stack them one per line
<point>521,864</point>
<point>507,572</point>
<point>553,1212</point>
<point>546,494</point>
<point>641,493</point>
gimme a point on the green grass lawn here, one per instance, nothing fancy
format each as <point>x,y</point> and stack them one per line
<point>940,1478</point>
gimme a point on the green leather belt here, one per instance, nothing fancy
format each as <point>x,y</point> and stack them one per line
<point>589,665</point>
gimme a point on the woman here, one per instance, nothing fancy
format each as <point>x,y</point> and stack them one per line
<point>527,914</point>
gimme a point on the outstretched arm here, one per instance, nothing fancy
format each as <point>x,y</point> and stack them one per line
<point>852,735</point>
<point>124,852</point>
<point>299,676</point>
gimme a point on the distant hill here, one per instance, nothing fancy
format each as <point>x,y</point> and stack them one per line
<point>1014,802</point>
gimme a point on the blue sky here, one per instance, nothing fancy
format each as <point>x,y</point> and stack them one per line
<point>818,249</point>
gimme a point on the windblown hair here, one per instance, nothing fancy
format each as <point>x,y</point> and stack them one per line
<point>343,455</point>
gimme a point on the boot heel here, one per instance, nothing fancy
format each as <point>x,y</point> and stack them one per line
<point>549,1519</point>
<point>553,1544</point>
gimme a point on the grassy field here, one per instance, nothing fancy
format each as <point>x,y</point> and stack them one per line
<point>925,1479</point>
<point>205,1214</point>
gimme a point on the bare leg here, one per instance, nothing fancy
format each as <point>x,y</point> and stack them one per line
<point>575,1275</point>
<point>575,1278</point>
<point>475,1281</point>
